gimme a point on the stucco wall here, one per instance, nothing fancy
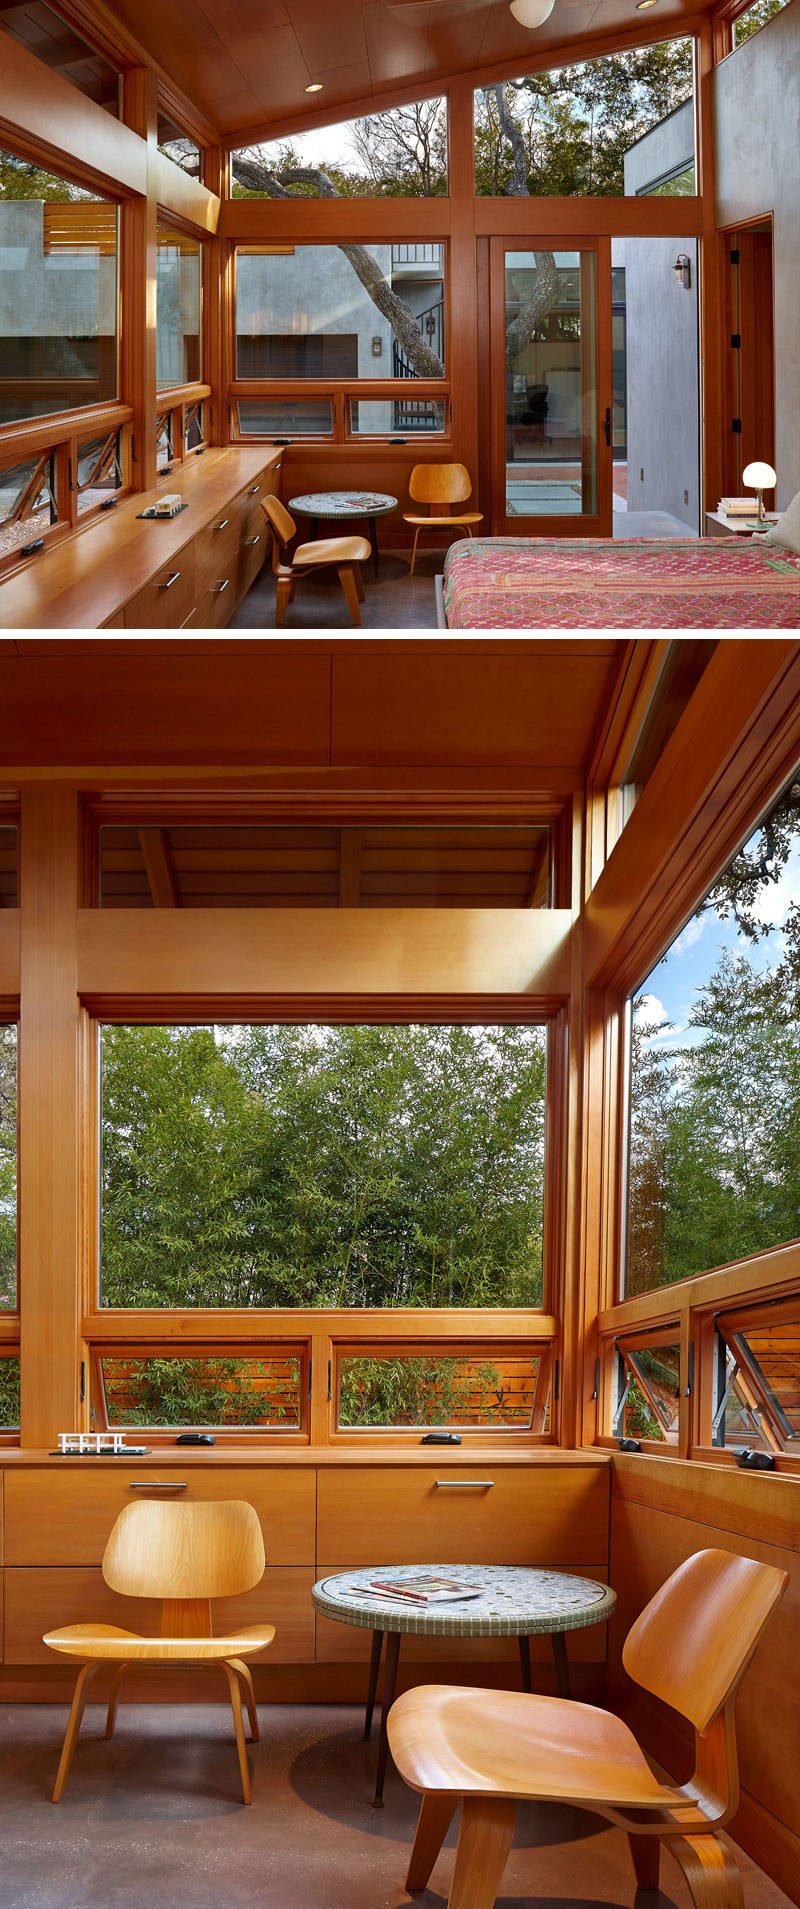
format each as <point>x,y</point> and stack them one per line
<point>757,169</point>
<point>61,295</point>
<point>661,341</point>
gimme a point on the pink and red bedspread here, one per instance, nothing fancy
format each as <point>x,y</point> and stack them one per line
<point>560,583</point>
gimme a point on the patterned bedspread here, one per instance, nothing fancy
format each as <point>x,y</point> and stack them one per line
<point>586,582</point>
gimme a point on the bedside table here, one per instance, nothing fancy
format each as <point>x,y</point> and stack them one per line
<point>717,525</point>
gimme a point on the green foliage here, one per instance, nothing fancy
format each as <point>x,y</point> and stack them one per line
<point>21,180</point>
<point>411,1390</point>
<point>8,1167</point>
<point>579,121</point>
<point>9,1394</point>
<point>307,1166</point>
<point>201,1391</point>
<point>756,16</point>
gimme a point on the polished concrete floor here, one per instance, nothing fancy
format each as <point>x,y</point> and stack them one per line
<point>153,1820</point>
<point>395,601</point>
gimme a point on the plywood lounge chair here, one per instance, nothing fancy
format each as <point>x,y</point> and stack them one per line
<point>186,1555</point>
<point>487,1748</point>
<point>343,554</point>
<point>439,486</point>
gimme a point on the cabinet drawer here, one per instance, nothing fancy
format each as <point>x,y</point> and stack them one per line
<point>167,599</point>
<point>216,549</point>
<point>43,1600</point>
<point>348,1644</point>
<point>252,549</point>
<point>502,1515</point>
<point>65,1516</point>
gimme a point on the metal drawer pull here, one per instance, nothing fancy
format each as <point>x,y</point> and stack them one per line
<point>254,490</point>
<point>222,525</point>
<point>157,1484</point>
<point>219,587</point>
<point>170,580</point>
<point>249,541</point>
<point>464,1484</point>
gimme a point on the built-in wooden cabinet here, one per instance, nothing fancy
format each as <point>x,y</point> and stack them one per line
<point>127,572</point>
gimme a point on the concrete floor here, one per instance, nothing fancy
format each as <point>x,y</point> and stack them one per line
<point>395,602</point>
<point>153,1820</point>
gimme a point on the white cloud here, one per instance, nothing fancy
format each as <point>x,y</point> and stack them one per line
<point>651,1010</point>
<point>690,935</point>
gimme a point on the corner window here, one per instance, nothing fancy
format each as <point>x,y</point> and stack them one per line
<point>714,1135</point>
<point>758,1378</point>
<point>648,1389</point>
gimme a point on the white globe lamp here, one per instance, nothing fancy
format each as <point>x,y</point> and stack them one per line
<point>759,478</point>
<point>532,13</point>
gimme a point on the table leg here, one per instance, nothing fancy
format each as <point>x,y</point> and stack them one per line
<point>390,1663</point>
<point>373,537</point>
<point>559,1644</point>
<point>374,1667</point>
<point>525,1660</point>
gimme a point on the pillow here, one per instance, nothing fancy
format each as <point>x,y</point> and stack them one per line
<point>787,530</point>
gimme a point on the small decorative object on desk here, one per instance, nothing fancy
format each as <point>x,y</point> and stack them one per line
<point>427,1589</point>
<point>97,1445</point>
<point>170,505</point>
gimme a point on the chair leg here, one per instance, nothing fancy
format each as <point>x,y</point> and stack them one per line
<point>485,1838</point>
<point>238,1723</point>
<point>414,551</point>
<point>113,1699</point>
<point>283,595</point>
<point>361,592</point>
<point>73,1728</point>
<point>435,1817</point>
<point>646,1853</point>
<point>709,1868</point>
<point>348,583</point>
<point>249,1696</point>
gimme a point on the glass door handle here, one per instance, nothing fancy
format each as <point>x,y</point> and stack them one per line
<point>607,424</point>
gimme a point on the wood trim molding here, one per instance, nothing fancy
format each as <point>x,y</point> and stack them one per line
<point>9,952</point>
<point>38,107</point>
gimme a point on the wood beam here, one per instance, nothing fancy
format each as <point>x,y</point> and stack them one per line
<point>49,1196</point>
<point>350,850</point>
<point>160,873</point>
<point>9,952</point>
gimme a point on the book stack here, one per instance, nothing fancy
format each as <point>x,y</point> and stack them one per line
<point>738,507</point>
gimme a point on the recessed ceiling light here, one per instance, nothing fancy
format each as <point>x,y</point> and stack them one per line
<point>642,4</point>
<point>315,86</point>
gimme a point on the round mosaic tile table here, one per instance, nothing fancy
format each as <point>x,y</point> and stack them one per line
<point>342,504</point>
<point>513,1602</point>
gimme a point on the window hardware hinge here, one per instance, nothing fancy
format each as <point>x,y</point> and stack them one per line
<point>690,1375</point>
<point>736,424</point>
<point>755,1461</point>
<point>330,1374</point>
<point>736,341</point>
<point>83,1380</point>
<point>133,449</point>
<point>69,474</point>
<point>734,255</point>
<point>556,1381</point>
<point>310,1369</point>
<point>596,1392</point>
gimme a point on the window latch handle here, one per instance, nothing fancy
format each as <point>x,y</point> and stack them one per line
<point>607,424</point>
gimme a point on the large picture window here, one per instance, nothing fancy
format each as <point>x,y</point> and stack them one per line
<point>397,154</point>
<point>714,1144</point>
<point>354,1166</point>
<point>58,314</point>
<point>341,312</point>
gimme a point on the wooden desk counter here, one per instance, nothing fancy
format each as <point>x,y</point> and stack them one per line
<point>87,581</point>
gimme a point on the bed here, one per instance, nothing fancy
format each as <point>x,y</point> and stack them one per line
<point>718,583</point>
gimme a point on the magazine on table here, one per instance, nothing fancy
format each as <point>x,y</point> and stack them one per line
<point>426,1588</point>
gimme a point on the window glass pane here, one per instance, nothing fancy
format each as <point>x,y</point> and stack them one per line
<point>551,384</point>
<point>394,867</point>
<point>756,16</point>
<point>367,1166</point>
<point>194,426</point>
<point>738,1407</point>
<point>677,185</point>
<point>164,429</point>
<point>58,315</point>
<point>484,1390</point>
<point>340,311</point>
<point>398,154</point>
<point>656,468</point>
<point>392,417</point>
<point>285,417</point>
<point>241,1389</point>
<point>772,1354</point>
<point>8,1169</point>
<point>9,1395</point>
<point>178,355</point>
<point>714,1151</point>
<point>652,1375</point>
<point>27,502</point>
<point>99,473</point>
<point>601,128</point>
<point>43,32</point>
<point>178,146</point>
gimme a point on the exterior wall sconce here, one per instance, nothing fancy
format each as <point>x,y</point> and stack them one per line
<point>377,347</point>
<point>683,270</point>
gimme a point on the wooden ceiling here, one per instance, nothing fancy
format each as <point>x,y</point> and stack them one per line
<point>247,62</point>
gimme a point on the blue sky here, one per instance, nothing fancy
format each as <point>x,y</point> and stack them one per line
<point>672,985</point>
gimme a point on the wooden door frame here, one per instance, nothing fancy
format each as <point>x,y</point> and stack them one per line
<point>599,523</point>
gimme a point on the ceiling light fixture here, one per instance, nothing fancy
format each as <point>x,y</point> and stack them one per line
<point>532,13</point>
<point>641,5</point>
<point>315,86</point>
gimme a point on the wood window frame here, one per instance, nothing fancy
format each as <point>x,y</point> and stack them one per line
<point>10,1317</point>
<point>622,1350</point>
<point>218,1346</point>
<point>538,1339</point>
